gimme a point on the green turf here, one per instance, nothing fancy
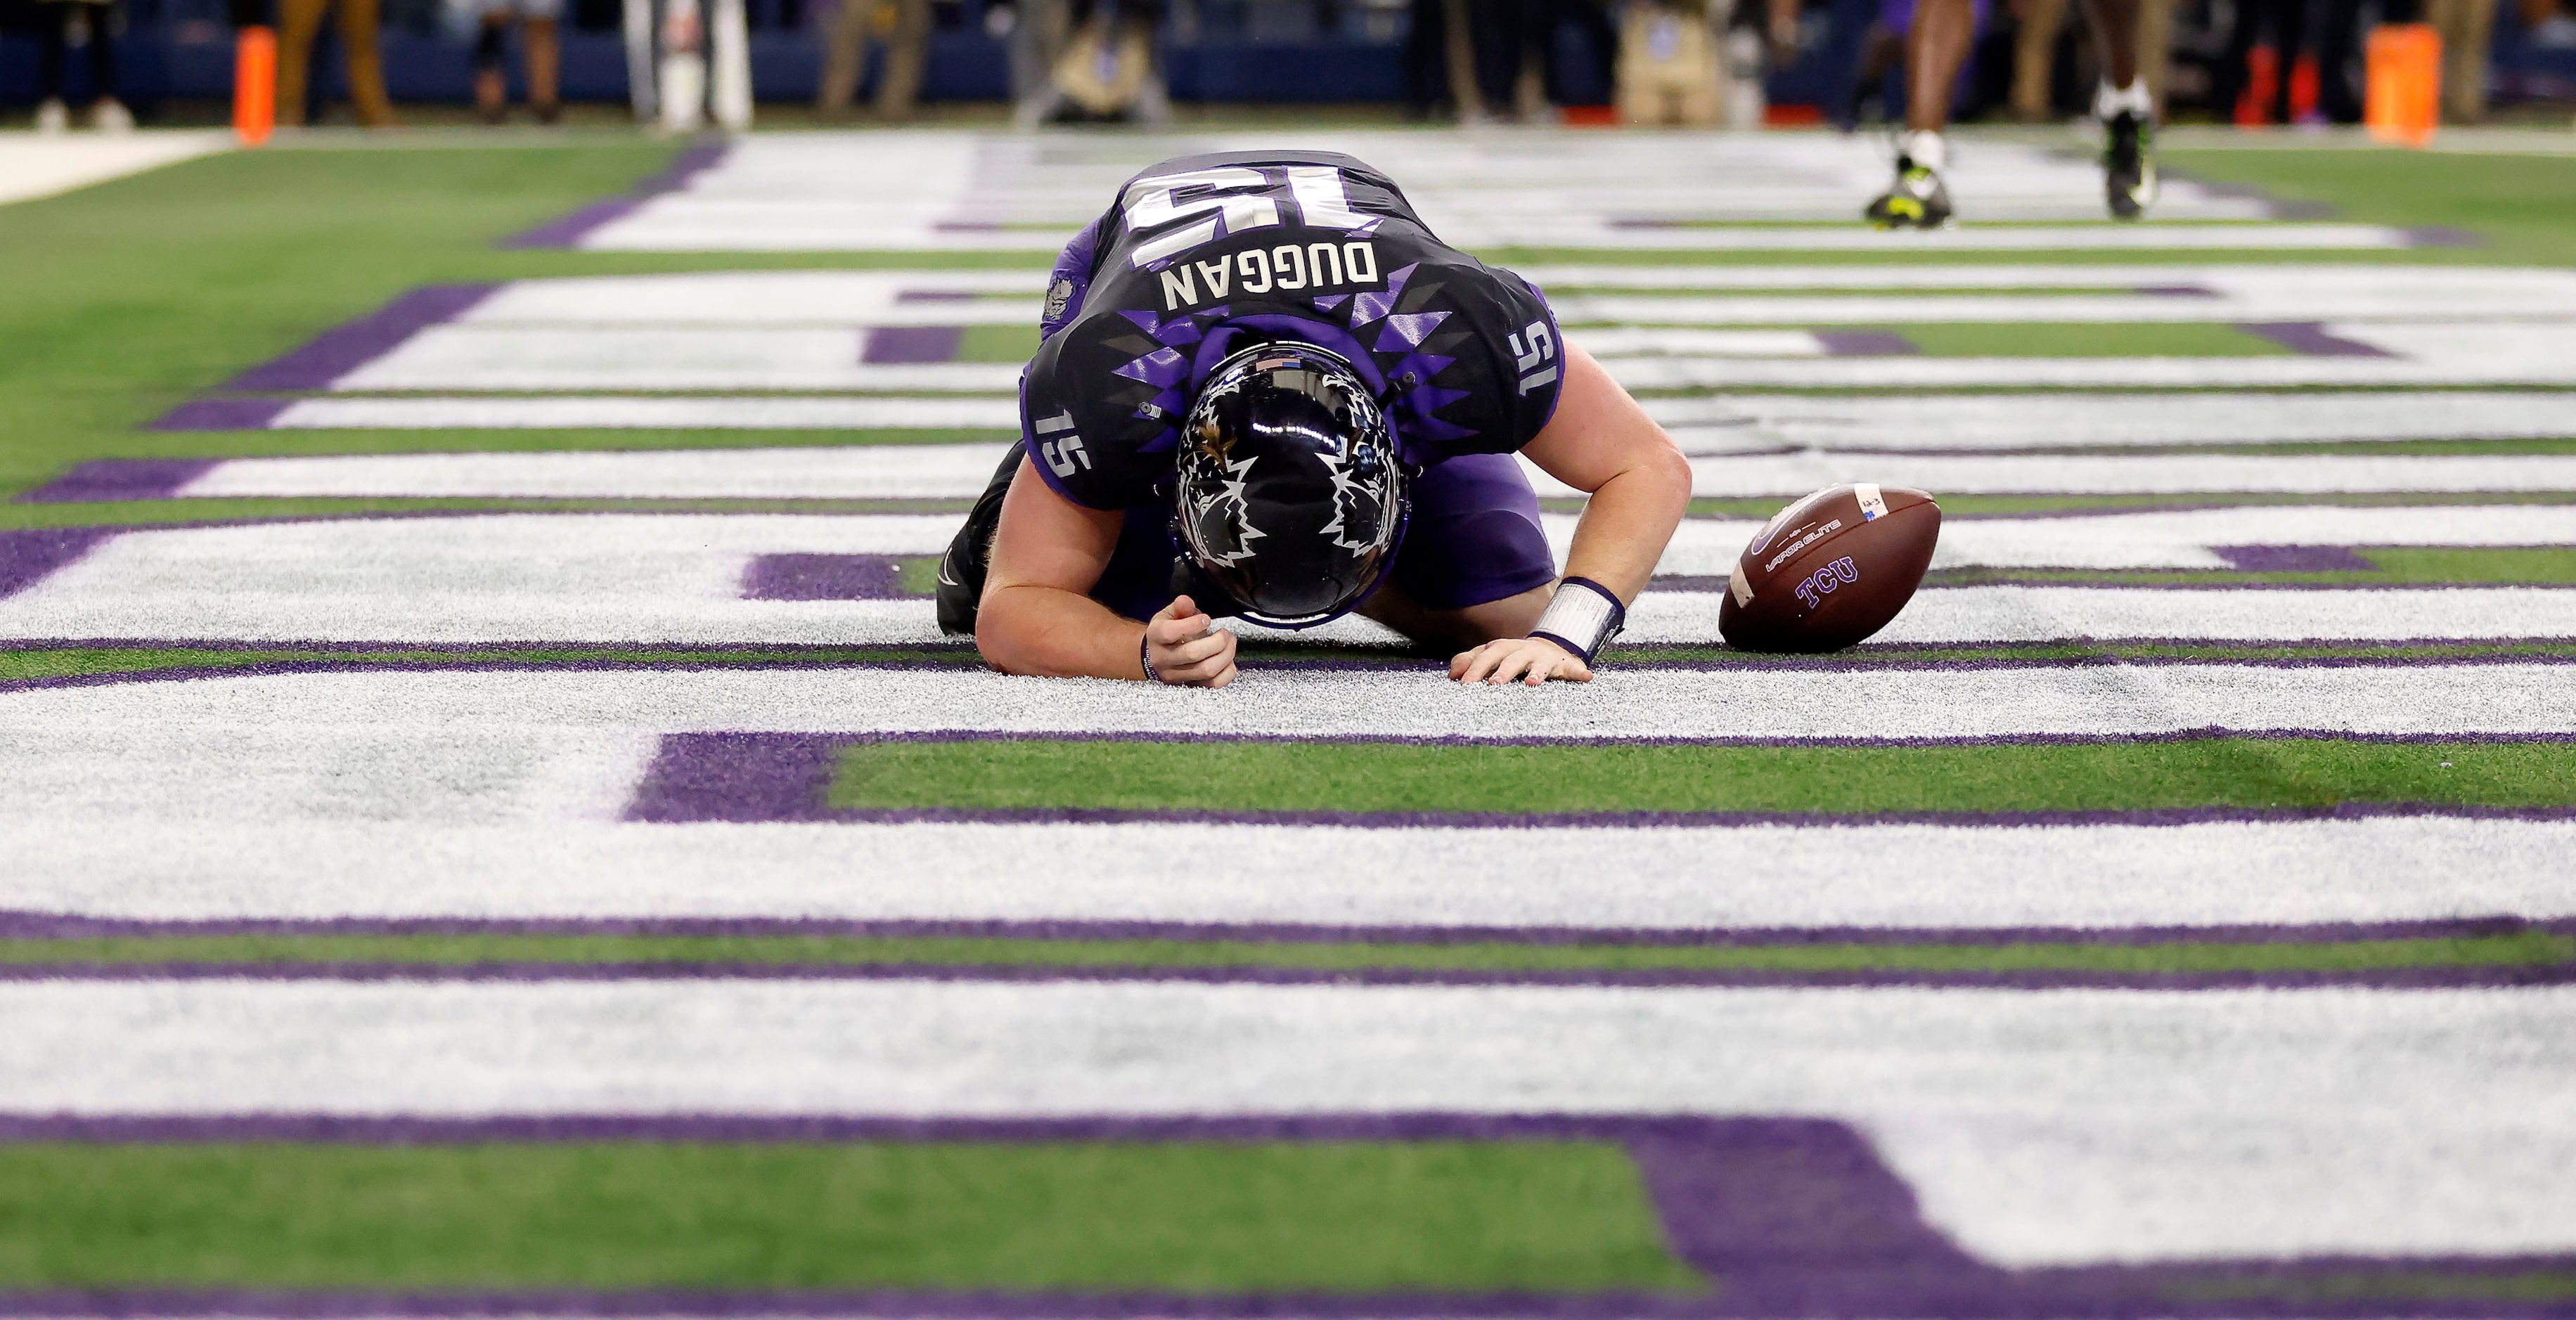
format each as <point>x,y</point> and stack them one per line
<point>1233,776</point>
<point>998,343</point>
<point>2518,206</point>
<point>1183,1216</point>
<point>2083,340</point>
<point>748,953</point>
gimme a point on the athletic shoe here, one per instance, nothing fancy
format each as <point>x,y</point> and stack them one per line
<point>1917,200</point>
<point>2129,165</point>
<point>111,116</point>
<point>53,116</point>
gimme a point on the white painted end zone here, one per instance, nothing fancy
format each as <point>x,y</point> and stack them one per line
<point>33,166</point>
<point>2037,1128</point>
<point>500,857</point>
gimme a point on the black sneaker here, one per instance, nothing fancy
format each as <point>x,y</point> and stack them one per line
<point>970,555</point>
<point>1915,201</point>
<point>2129,165</point>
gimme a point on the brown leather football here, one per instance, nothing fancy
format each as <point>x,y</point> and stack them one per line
<point>1830,570</point>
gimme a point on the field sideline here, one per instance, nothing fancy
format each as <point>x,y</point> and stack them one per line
<point>491,828</point>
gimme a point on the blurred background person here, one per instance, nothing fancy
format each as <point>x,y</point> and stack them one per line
<point>2304,70</point>
<point>2467,29</point>
<point>1108,71</point>
<point>1440,62</point>
<point>687,61</point>
<point>1515,41</point>
<point>900,28</point>
<point>63,26</point>
<point>540,47</point>
<point>299,22</point>
<point>1682,62</point>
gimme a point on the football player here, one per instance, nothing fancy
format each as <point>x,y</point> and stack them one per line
<point>1938,35</point>
<point>1265,389</point>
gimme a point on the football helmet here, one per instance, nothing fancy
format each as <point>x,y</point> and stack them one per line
<point>1288,495</point>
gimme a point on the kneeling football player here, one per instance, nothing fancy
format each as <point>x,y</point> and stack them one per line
<point>1266,390</point>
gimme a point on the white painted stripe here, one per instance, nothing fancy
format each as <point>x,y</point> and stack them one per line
<point>961,471</point>
<point>1702,425</point>
<point>1796,474</point>
<point>655,358</point>
<point>2273,282</point>
<point>785,412</point>
<point>680,578</point>
<point>1632,341</point>
<point>32,166</point>
<point>2541,354</point>
<point>1761,295</point>
<point>214,748</point>
<point>291,860</point>
<point>857,472</point>
<point>2035,421</point>
<point>2041,614</point>
<point>682,225</point>
<point>2036,1128</point>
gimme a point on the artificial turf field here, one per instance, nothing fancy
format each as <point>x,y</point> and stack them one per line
<point>535,858</point>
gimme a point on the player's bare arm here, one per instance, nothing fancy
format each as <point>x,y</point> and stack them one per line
<point>1036,618</point>
<point>1602,443</point>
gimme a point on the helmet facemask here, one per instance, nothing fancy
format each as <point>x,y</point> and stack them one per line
<point>1289,497</point>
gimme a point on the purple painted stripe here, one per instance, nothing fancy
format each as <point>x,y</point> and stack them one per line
<point>219,414</point>
<point>2294,559</point>
<point>1865,343</point>
<point>2424,976</point>
<point>570,230</point>
<point>2175,291</point>
<point>737,776</point>
<point>911,343</point>
<point>345,348</point>
<point>29,557</point>
<point>2309,338</point>
<point>55,926</point>
<point>824,577</point>
<point>114,480</point>
<point>2444,236</point>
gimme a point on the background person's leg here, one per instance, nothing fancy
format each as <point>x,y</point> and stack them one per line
<point>53,36</point>
<point>845,57</point>
<point>2115,38</point>
<point>366,63</point>
<point>298,23</point>
<point>2034,57</point>
<point>491,76</point>
<point>906,51</point>
<point>1935,48</point>
<point>545,59</point>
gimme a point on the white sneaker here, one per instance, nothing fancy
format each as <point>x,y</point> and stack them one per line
<point>111,116</point>
<point>53,116</point>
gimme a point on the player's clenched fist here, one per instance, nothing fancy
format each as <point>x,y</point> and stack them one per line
<point>1184,646</point>
<point>1532,660</point>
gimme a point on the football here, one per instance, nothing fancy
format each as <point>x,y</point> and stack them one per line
<point>1830,570</point>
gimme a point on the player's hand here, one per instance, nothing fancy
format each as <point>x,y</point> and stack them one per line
<point>1187,647</point>
<point>1532,660</point>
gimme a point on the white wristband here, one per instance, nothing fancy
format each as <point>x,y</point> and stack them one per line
<point>1582,617</point>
